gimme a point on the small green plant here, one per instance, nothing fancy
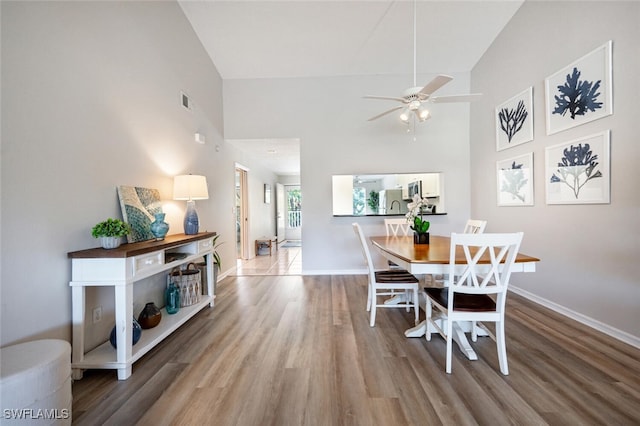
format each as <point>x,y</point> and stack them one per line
<point>111,228</point>
<point>374,201</point>
<point>216,255</point>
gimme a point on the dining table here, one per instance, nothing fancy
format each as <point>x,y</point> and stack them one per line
<point>433,259</point>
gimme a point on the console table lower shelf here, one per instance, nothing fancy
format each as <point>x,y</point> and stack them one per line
<point>104,356</point>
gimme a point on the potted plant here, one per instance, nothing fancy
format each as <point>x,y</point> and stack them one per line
<point>374,201</point>
<point>216,255</point>
<point>418,224</point>
<point>110,232</point>
<point>216,261</point>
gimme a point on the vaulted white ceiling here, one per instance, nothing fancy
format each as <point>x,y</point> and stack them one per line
<point>282,39</point>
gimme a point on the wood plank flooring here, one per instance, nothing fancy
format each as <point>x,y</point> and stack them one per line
<point>298,350</point>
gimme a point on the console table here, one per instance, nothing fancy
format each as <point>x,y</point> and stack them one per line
<point>120,268</point>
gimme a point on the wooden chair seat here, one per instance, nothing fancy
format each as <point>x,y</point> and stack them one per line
<point>393,276</point>
<point>461,301</point>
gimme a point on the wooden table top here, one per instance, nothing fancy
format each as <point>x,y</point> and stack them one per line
<point>142,247</point>
<point>437,251</point>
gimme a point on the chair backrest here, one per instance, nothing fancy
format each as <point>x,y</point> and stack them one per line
<point>365,251</point>
<point>397,227</point>
<point>489,259</point>
<point>474,226</point>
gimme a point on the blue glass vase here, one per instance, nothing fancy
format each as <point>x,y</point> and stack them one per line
<point>136,333</point>
<point>159,227</point>
<point>172,299</point>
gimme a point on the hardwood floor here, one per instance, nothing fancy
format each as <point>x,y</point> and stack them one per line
<point>298,350</point>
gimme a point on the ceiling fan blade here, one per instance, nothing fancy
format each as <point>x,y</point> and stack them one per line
<point>385,113</point>
<point>456,98</point>
<point>435,84</point>
<point>386,98</point>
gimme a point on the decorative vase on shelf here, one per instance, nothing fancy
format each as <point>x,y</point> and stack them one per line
<point>136,332</point>
<point>150,316</point>
<point>159,227</point>
<point>172,298</point>
<point>420,238</point>
<point>110,242</point>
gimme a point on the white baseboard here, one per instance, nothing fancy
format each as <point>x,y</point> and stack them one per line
<point>595,324</point>
<point>335,272</point>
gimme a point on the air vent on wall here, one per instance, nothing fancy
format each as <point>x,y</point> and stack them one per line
<point>185,100</point>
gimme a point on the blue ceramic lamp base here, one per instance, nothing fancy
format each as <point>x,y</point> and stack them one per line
<point>191,224</point>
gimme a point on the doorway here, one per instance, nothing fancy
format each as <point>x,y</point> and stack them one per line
<point>293,212</point>
<point>242,213</point>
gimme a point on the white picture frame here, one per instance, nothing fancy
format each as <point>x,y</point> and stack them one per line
<point>514,120</point>
<point>578,171</point>
<point>514,177</point>
<point>580,92</point>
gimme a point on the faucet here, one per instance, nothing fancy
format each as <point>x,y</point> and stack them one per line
<point>395,201</point>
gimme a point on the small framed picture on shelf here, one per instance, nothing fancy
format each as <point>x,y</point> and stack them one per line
<point>515,181</point>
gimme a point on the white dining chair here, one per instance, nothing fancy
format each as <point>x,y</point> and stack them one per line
<point>467,296</point>
<point>397,227</point>
<point>385,282</point>
<point>475,226</point>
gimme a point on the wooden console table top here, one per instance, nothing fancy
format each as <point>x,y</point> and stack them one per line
<point>142,247</point>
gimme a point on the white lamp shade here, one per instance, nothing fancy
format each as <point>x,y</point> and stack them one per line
<point>190,187</point>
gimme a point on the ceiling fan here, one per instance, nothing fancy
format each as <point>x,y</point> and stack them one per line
<point>414,98</point>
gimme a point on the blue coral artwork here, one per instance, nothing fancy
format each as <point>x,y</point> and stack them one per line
<point>139,206</point>
<point>514,120</point>
<point>578,172</point>
<point>580,92</point>
<point>515,181</point>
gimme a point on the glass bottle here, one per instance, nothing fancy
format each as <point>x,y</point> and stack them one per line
<point>172,298</point>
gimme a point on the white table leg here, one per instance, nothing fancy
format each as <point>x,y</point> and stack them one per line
<point>461,339</point>
<point>417,331</point>
<point>396,299</point>
<point>458,336</point>
<point>124,373</point>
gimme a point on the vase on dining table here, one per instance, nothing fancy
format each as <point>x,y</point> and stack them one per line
<point>420,238</point>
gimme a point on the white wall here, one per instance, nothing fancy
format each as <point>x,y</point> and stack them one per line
<point>90,101</point>
<point>589,268</point>
<point>330,118</point>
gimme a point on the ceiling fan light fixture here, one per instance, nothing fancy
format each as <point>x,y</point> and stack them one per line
<point>404,116</point>
<point>423,113</point>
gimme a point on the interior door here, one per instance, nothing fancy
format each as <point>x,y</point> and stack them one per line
<point>281,209</point>
<point>242,213</point>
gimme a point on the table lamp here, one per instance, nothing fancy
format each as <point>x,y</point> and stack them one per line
<point>190,188</point>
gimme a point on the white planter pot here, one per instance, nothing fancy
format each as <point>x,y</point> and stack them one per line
<point>110,242</point>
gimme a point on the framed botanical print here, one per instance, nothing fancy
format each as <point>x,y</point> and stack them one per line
<point>515,181</point>
<point>514,120</point>
<point>578,171</point>
<point>580,92</point>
